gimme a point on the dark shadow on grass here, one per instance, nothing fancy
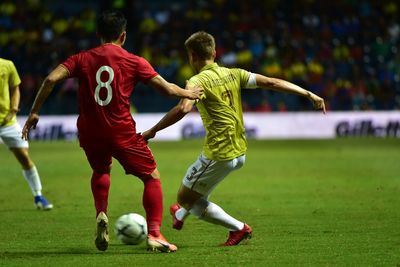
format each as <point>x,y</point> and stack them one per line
<point>113,250</point>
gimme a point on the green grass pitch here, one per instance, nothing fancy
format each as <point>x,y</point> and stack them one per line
<point>310,203</point>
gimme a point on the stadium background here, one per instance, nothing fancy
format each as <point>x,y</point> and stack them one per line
<point>346,51</point>
<point>310,202</point>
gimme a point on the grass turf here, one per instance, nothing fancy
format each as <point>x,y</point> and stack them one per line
<point>310,202</point>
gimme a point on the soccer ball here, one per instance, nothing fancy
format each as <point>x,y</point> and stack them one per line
<point>131,228</point>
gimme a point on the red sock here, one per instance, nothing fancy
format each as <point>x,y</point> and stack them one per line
<point>100,188</point>
<point>153,204</point>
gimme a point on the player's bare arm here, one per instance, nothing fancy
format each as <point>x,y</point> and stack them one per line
<point>173,116</point>
<point>14,104</point>
<point>171,89</point>
<point>58,74</point>
<point>288,87</point>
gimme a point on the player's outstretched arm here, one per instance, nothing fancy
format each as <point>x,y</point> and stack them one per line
<point>58,74</point>
<point>288,87</point>
<point>171,89</point>
<point>173,116</point>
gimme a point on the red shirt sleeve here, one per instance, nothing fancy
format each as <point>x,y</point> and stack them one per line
<point>71,64</point>
<point>145,70</point>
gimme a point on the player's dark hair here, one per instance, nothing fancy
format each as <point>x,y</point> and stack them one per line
<point>202,44</point>
<point>110,25</point>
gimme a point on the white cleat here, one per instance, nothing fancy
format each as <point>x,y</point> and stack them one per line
<point>102,237</point>
<point>159,244</point>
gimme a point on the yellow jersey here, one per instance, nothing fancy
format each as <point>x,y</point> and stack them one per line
<point>220,109</point>
<point>8,78</point>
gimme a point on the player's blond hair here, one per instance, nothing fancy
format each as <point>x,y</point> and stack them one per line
<point>202,44</point>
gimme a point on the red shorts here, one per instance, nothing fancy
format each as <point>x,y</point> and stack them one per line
<point>133,154</point>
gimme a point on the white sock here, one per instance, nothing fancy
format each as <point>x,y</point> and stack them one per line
<point>212,213</point>
<point>181,214</point>
<point>33,179</point>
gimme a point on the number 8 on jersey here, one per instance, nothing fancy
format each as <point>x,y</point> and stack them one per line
<point>106,84</point>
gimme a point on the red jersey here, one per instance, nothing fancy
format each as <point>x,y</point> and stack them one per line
<point>107,75</point>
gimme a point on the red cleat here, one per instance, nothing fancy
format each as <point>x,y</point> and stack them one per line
<point>235,237</point>
<point>176,224</point>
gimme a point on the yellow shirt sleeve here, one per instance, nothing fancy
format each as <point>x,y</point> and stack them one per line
<point>243,76</point>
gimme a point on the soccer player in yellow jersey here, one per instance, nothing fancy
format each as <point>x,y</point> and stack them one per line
<point>225,143</point>
<point>10,130</point>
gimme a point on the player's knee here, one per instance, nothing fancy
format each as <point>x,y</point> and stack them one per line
<point>22,156</point>
<point>182,201</point>
<point>199,208</point>
<point>102,170</point>
<point>187,197</point>
<point>155,174</point>
<point>240,162</point>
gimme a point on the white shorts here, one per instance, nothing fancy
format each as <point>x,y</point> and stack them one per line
<point>12,136</point>
<point>205,174</point>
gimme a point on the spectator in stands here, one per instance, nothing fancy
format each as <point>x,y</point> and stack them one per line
<point>298,33</point>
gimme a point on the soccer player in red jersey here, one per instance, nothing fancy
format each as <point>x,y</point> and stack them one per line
<point>107,75</point>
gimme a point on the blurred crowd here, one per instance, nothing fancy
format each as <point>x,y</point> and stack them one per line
<point>345,50</point>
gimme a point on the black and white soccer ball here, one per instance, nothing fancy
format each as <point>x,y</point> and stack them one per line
<point>131,228</point>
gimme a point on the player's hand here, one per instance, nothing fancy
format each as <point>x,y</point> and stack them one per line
<point>29,124</point>
<point>195,91</point>
<point>318,102</point>
<point>149,134</point>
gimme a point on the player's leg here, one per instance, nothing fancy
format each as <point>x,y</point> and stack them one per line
<point>200,179</point>
<point>138,160</point>
<point>100,161</point>
<point>179,211</point>
<point>153,204</point>
<point>31,175</point>
<point>207,210</point>
<point>12,138</point>
<point>212,213</point>
<point>198,185</point>
<point>100,184</point>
